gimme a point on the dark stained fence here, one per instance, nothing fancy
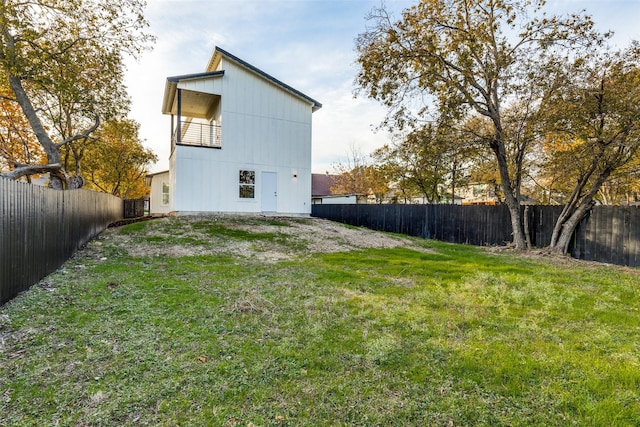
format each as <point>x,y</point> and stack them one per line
<point>41,228</point>
<point>475,225</point>
<point>542,219</point>
<point>133,208</point>
<point>608,234</point>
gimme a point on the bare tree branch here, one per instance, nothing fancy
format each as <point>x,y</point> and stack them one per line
<point>83,135</point>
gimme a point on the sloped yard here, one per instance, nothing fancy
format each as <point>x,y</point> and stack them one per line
<point>243,321</point>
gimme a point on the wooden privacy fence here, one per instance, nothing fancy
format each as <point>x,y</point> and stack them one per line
<point>41,228</point>
<point>607,234</point>
<point>133,208</point>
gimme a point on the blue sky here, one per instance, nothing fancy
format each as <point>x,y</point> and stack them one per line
<point>308,44</point>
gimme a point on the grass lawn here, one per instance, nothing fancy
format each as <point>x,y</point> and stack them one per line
<point>423,334</point>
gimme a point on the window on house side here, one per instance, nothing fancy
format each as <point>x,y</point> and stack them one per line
<point>247,184</point>
<point>165,194</point>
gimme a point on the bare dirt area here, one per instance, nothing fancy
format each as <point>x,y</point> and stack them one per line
<point>266,238</point>
<point>322,235</point>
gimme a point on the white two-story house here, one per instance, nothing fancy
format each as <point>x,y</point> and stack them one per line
<point>240,143</point>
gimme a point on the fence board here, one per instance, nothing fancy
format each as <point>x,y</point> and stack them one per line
<point>634,237</point>
<point>607,234</point>
<point>41,228</point>
<point>617,235</point>
<point>626,230</point>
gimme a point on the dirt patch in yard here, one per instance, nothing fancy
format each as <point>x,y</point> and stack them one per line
<point>321,235</point>
<point>267,238</point>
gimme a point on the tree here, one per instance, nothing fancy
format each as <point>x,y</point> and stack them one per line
<point>358,176</point>
<point>391,161</point>
<point>425,162</point>
<point>471,56</point>
<point>117,162</point>
<point>623,186</point>
<point>64,59</point>
<point>593,113</point>
<point>17,143</point>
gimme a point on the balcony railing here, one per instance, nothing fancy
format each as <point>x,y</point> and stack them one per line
<point>198,134</point>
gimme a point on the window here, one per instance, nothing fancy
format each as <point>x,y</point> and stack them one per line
<point>165,194</point>
<point>247,184</point>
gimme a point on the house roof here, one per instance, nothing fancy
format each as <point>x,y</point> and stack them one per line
<point>321,184</point>
<point>219,53</point>
<point>171,86</point>
<point>195,76</point>
<point>157,173</point>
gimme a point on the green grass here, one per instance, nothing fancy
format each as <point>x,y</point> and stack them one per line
<point>206,231</point>
<point>436,335</point>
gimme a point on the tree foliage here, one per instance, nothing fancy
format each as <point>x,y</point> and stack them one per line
<point>623,186</point>
<point>424,163</point>
<point>18,145</point>
<point>63,61</point>
<point>593,122</point>
<point>358,176</point>
<point>491,58</point>
<point>117,162</point>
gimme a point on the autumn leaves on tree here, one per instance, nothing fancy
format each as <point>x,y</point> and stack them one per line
<point>495,89</point>
<point>531,83</point>
<point>61,63</point>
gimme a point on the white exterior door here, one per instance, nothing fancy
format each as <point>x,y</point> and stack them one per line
<point>269,192</point>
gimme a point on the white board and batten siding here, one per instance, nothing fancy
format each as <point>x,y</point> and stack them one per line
<point>160,205</point>
<point>265,129</point>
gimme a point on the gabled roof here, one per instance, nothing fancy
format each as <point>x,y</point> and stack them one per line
<point>219,53</point>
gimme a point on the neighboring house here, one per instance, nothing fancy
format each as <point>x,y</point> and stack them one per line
<point>485,194</point>
<point>338,199</point>
<point>321,191</point>
<point>457,200</point>
<point>240,142</point>
<point>160,194</point>
<point>478,194</point>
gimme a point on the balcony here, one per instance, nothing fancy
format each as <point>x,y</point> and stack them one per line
<point>197,134</point>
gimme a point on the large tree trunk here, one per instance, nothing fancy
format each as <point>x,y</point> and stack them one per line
<point>559,225</point>
<point>53,154</point>
<point>516,223</point>
<point>58,178</point>
<point>54,167</point>
<point>574,211</point>
<point>568,228</point>
<point>511,195</point>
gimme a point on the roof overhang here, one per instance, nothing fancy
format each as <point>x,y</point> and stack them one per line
<point>157,173</point>
<point>192,102</point>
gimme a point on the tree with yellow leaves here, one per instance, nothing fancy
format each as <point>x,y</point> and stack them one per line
<point>358,176</point>
<point>63,63</point>
<point>18,146</point>
<point>117,162</point>
<point>592,113</point>
<point>451,58</point>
